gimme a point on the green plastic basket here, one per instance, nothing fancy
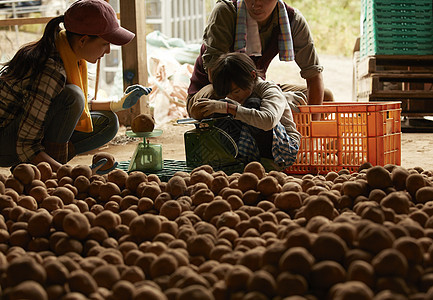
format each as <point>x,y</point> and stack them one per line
<point>170,167</point>
<point>397,27</point>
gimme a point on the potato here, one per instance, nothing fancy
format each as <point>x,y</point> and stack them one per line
<point>161,199</point>
<point>318,205</point>
<point>375,238</point>
<point>2,188</point>
<point>288,200</point>
<point>379,177</point>
<point>39,224</point>
<point>145,204</point>
<point>65,194</point>
<point>149,189</point>
<point>118,177</point>
<point>351,290</point>
<point>413,183</point>
<point>81,281</point>
<point>24,268</point>
<point>39,193</point>
<point>218,183</point>
<point>143,123</point>
<point>81,170</point>
<point>28,202</point>
<point>101,155</point>
<point>363,271</point>
<point>57,273</point>
<point>289,284</point>
<point>398,177</point>
<point>64,170</point>
<point>128,201</point>
<point>326,274</point>
<point>176,186</point>
<point>106,275</point>
<point>51,183</point>
<point>165,264</point>
<point>65,180</point>
<point>199,245</point>
<point>215,208</point>
<point>171,209</point>
<point>424,194</point>
<point>132,274</point>
<point>7,201</point>
<point>329,246</point>
<point>106,190</point>
<point>268,185</point>
<point>201,176</point>
<point>107,220</point>
<point>255,168</point>
<point>252,258</point>
<point>148,291</point>
<point>123,290</point>
<point>28,290</point>
<point>145,227</point>
<point>195,292</point>
<point>67,244</point>
<point>248,181</point>
<point>134,179</point>
<point>202,196</point>
<point>76,225</point>
<point>390,262</point>
<point>399,202</point>
<point>228,219</point>
<point>235,202</point>
<point>45,170</point>
<point>24,173</point>
<point>14,184</point>
<point>263,282</point>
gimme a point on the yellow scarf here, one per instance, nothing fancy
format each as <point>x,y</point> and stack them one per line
<point>76,73</point>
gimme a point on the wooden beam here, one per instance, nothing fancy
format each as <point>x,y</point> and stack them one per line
<point>28,21</point>
<point>24,21</point>
<point>134,56</point>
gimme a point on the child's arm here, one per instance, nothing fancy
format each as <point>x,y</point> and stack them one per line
<point>272,106</point>
<point>206,107</point>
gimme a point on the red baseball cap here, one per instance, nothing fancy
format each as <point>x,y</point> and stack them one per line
<point>96,17</point>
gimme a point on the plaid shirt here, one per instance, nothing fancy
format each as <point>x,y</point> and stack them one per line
<point>31,99</point>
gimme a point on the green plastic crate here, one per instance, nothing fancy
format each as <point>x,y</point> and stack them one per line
<point>170,167</point>
<point>397,27</point>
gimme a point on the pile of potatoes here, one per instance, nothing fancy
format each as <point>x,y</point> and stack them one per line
<point>72,235</point>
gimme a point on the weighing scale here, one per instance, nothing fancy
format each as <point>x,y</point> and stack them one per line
<point>147,157</point>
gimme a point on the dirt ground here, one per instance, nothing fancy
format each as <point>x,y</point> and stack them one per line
<point>416,148</point>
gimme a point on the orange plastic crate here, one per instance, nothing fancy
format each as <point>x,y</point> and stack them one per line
<point>347,135</point>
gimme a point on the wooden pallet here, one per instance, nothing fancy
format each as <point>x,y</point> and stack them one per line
<point>410,107</point>
<point>413,85</point>
<point>405,78</point>
<point>395,64</point>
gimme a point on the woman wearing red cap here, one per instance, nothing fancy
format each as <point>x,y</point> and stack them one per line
<point>44,111</point>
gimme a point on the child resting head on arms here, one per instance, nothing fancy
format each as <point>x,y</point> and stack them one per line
<point>262,123</point>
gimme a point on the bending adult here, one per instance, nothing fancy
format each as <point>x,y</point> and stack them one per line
<point>45,113</point>
<point>262,29</point>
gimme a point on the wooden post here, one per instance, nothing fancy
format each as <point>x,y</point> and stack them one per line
<point>98,72</point>
<point>134,55</point>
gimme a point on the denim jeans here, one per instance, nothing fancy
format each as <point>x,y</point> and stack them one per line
<point>61,119</point>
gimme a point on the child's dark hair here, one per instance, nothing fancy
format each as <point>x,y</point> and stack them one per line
<point>234,68</point>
